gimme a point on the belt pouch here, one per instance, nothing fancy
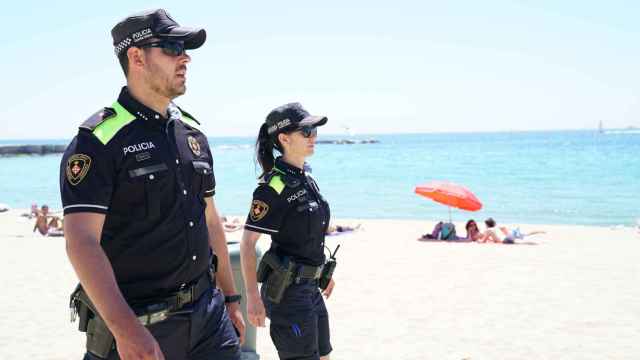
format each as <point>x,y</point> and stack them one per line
<point>100,341</point>
<point>263,271</point>
<point>278,281</point>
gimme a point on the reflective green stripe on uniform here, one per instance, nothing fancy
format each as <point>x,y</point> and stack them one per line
<point>106,130</point>
<point>191,122</point>
<point>277,184</point>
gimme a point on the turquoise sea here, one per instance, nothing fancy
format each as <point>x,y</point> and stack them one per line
<point>555,177</point>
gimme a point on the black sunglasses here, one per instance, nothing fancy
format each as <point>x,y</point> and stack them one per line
<point>171,48</point>
<point>308,131</point>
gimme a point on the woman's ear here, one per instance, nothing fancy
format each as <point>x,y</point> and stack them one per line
<point>284,139</point>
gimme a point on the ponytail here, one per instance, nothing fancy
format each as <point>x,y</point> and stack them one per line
<point>264,150</point>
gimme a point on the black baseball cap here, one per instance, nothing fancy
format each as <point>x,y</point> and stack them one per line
<point>136,28</point>
<point>290,117</point>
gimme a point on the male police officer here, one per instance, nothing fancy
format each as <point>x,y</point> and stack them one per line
<point>140,221</point>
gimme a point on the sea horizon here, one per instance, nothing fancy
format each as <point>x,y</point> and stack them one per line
<point>573,177</point>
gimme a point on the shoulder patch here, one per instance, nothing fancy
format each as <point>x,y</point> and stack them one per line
<point>96,119</point>
<point>259,210</point>
<point>78,166</point>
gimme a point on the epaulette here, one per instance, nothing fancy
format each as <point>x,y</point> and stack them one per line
<point>105,124</point>
<point>278,180</point>
<point>96,119</point>
<point>184,113</point>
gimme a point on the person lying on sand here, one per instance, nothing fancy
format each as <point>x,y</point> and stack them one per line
<point>446,232</point>
<point>338,229</point>
<point>502,234</point>
<point>48,225</point>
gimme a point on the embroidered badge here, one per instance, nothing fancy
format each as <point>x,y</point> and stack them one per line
<point>194,145</point>
<point>77,168</point>
<point>259,209</point>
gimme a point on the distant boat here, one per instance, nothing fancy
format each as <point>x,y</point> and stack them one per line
<point>600,127</point>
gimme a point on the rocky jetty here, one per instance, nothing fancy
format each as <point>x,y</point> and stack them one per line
<point>348,141</point>
<point>7,150</point>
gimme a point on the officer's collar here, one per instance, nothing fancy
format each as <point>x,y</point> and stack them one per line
<point>286,168</point>
<point>138,109</point>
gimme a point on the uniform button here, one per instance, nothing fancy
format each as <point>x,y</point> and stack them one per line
<point>157,116</point>
<point>194,258</point>
<point>177,161</point>
<point>151,177</point>
<point>190,223</point>
<point>184,192</point>
<point>205,171</point>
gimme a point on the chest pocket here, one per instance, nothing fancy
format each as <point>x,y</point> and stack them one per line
<point>203,179</point>
<point>145,192</point>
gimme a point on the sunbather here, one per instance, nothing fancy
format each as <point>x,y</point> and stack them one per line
<point>473,233</point>
<point>447,232</point>
<point>502,234</point>
<point>48,225</point>
<point>337,229</point>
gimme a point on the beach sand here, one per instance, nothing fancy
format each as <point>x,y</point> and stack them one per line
<point>573,295</point>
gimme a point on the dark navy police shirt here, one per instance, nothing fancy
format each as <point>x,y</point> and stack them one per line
<point>149,174</point>
<point>288,206</point>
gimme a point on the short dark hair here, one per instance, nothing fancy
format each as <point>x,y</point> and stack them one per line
<point>490,222</point>
<point>124,62</point>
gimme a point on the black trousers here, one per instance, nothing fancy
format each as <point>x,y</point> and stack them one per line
<point>299,325</point>
<point>206,332</point>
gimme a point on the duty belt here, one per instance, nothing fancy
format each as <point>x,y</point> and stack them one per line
<point>308,271</point>
<point>302,271</point>
<point>157,310</point>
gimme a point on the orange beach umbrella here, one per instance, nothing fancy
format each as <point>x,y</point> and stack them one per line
<point>450,194</point>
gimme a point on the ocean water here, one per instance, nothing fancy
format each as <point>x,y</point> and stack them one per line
<point>558,177</point>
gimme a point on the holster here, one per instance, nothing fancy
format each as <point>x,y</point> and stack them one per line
<point>276,275</point>
<point>100,341</point>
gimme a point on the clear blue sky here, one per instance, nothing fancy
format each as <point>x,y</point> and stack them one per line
<point>377,67</point>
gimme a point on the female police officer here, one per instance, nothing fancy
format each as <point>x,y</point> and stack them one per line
<point>288,206</point>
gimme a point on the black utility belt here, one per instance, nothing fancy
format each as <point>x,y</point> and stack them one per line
<point>307,271</point>
<point>276,273</point>
<point>100,341</point>
<point>159,309</point>
<point>148,311</point>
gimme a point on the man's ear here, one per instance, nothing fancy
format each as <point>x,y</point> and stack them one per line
<point>136,57</point>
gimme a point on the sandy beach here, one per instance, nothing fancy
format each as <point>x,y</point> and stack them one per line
<point>573,294</point>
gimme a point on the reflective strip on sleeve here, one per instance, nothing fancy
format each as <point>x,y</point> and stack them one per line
<point>260,228</point>
<point>86,205</point>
